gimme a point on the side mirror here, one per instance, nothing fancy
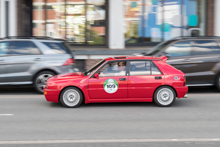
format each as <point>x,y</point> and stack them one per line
<point>96,75</point>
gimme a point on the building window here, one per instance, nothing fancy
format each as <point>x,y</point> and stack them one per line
<point>78,21</point>
<point>159,20</point>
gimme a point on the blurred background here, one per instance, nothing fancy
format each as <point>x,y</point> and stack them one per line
<point>114,27</point>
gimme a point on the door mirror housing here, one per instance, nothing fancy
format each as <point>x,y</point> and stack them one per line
<point>96,75</point>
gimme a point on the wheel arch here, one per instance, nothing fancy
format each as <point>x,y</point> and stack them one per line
<point>73,87</point>
<point>47,69</point>
<point>216,78</point>
<point>165,86</point>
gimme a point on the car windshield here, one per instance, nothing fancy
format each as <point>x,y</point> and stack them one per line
<point>158,47</point>
<point>88,72</point>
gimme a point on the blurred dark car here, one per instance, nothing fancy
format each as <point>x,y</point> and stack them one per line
<point>197,57</point>
<point>32,60</point>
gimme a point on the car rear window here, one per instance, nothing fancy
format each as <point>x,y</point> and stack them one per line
<point>57,47</point>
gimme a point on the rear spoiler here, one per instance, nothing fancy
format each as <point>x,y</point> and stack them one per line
<point>163,58</point>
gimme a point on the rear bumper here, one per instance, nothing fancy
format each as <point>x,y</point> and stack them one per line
<point>52,95</point>
<point>185,96</point>
<point>181,91</point>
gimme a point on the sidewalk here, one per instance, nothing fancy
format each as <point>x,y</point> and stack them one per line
<point>101,50</point>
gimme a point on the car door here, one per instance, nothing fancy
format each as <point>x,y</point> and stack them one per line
<point>206,54</point>
<point>24,54</point>
<point>111,84</point>
<point>4,58</point>
<point>143,78</point>
<point>179,55</point>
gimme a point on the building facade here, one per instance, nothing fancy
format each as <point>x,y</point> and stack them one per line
<point>111,24</point>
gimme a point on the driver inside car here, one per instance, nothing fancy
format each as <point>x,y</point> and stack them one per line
<point>116,69</point>
<point>121,69</point>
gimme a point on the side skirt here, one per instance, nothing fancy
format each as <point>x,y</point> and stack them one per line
<point>119,100</point>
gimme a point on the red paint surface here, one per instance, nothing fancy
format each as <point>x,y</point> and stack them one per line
<point>134,89</point>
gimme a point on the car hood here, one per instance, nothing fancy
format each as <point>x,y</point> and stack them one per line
<point>73,75</point>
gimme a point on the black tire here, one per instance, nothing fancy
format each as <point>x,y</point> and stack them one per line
<point>36,82</point>
<point>217,82</point>
<point>164,96</point>
<point>71,97</point>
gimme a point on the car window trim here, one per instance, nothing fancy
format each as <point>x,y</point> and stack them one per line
<point>12,41</point>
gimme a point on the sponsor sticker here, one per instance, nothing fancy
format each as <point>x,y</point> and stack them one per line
<point>176,78</point>
<point>110,86</point>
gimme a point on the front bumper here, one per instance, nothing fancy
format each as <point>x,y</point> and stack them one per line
<point>52,95</point>
<point>181,91</point>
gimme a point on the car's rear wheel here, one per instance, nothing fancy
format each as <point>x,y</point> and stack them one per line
<point>164,96</point>
<point>40,80</point>
<point>71,97</point>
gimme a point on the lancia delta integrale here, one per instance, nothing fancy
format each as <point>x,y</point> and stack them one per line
<point>120,79</point>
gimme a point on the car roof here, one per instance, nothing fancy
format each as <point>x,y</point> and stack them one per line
<point>132,58</point>
<point>196,37</point>
<point>36,38</point>
<point>188,38</point>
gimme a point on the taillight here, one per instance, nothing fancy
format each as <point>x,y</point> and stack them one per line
<point>69,62</point>
<point>184,84</point>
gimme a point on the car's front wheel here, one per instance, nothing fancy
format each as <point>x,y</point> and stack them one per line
<point>71,97</point>
<point>164,96</point>
<point>40,80</point>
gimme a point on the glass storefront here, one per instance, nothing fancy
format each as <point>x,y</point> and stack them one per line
<point>78,21</point>
<point>159,20</point>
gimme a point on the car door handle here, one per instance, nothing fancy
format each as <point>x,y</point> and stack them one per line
<point>37,59</point>
<point>187,60</point>
<point>122,79</point>
<point>158,78</point>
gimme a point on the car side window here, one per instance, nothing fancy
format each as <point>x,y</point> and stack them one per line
<point>179,49</point>
<point>113,69</point>
<point>24,48</point>
<point>4,46</point>
<point>140,68</point>
<point>205,47</point>
<point>155,70</point>
<point>143,68</point>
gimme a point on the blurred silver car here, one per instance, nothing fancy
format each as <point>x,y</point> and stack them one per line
<point>33,60</point>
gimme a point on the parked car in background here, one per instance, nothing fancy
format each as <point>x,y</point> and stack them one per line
<point>32,60</point>
<point>197,57</point>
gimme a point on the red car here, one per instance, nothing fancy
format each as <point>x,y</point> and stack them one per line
<point>120,79</point>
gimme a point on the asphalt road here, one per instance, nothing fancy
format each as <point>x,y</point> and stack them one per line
<point>27,119</point>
